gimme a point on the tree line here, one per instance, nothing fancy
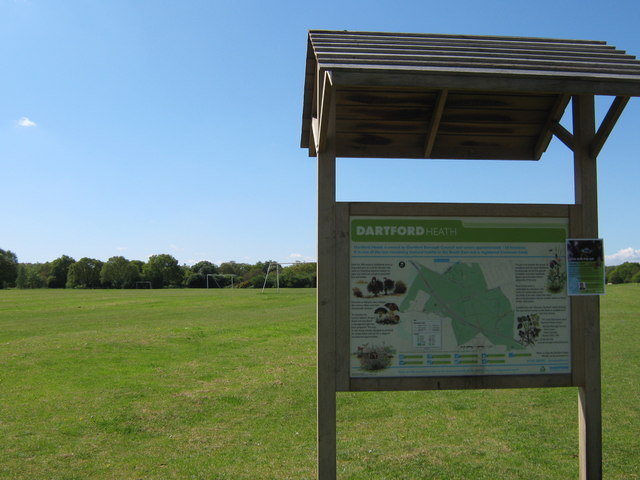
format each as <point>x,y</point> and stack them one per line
<point>160,271</point>
<point>628,272</point>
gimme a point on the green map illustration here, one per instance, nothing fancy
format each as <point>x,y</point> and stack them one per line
<point>462,295</point>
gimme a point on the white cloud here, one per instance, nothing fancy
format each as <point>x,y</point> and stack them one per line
<point>25,122</point>
<point>628,254</point>
<point>298,257</point>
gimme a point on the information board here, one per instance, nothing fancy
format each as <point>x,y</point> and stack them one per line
<point>458,296</point>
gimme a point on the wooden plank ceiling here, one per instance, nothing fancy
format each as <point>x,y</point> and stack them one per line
<point>446,96</point>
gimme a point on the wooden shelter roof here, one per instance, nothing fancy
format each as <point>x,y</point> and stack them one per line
<point>401,95</point>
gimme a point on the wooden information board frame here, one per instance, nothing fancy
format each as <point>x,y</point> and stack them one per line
<point>438,97</point>
<point>344,211</point>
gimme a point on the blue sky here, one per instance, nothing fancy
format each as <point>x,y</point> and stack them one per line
<point>142,127</point>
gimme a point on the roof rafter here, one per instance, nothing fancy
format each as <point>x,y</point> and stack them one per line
<point>434,125</point>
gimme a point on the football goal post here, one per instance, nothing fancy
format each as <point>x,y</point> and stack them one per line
<point>277,269</point>
<point>227,277</point>
<point>212,275</point>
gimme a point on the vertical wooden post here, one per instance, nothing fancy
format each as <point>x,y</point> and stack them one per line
<point>326,303</point>
<point>588,308</point>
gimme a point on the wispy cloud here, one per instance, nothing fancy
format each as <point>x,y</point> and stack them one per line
<point>298,257</point>
<point>625,255</point>
<point>25,122</point>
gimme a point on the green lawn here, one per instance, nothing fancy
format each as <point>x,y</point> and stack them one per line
<point>220,384</point>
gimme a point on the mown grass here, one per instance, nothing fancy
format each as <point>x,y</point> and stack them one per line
<point>220,384</point>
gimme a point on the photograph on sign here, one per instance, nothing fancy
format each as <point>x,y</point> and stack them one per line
<point>435,296</point>
<point>585,266</point>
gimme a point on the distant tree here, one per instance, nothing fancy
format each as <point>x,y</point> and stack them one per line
<point>163,271</point>
<point>228,268</point>
<point>299,275</point>
<point>59,270</point>
<point>233,268</point>
<point>33,275</point>
<point>139,264</point>
<point>636,278</point>
<point>85,273</point>
<point>21,279</point>
<point>608,270</point>
<point>196,275</point>
<point>205,268</point>
<point>118,272</point>
<point>267,266</point>
<point>8,268</point>
<point>194,280</point>
<point>624,273</point>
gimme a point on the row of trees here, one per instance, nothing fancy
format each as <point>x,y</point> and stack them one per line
<point>164,271</point>
<point>158,272</point>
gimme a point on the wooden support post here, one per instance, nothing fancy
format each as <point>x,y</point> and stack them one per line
<point>588,307</point>
<point>326,303</point>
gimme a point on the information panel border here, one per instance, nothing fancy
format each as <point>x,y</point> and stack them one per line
<point>346,210</point>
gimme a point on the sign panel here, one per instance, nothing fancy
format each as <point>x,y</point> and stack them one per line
<point>585,266</point>
<point>436,296</point>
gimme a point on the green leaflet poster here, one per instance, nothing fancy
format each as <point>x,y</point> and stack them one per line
<point>436,296</point>
<point>585,266</point>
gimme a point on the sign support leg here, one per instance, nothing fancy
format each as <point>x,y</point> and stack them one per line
<point>590,401</point>
<point>326,306</point>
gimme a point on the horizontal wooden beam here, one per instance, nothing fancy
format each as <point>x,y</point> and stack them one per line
<point>497,81</point>
<point>457,209</point>
<point>459,383</point>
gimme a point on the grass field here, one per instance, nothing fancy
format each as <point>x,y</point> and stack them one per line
<point>220,384</point>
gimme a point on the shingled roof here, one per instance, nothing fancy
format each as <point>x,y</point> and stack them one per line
<point>404,95</point>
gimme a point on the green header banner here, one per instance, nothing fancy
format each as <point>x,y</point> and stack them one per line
<point>422,230</point>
